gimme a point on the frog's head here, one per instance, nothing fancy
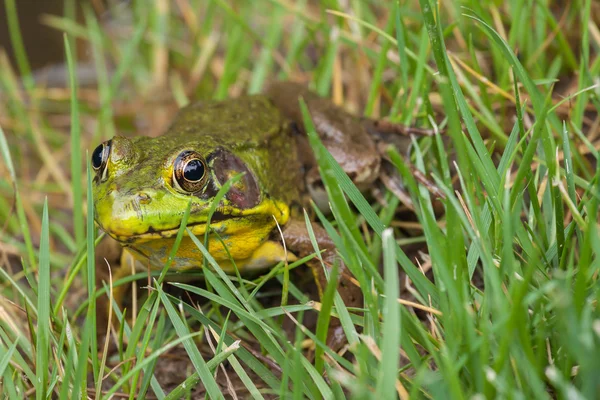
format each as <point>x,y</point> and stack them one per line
<point>143,186</point>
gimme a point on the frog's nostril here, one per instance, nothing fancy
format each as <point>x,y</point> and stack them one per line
<point>143,198</point>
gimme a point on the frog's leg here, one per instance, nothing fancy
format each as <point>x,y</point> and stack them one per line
<point>357,144</point>
<point>297,240</point>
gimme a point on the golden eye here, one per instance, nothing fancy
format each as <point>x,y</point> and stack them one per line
<point>189,172</point>
<point>100,158</point>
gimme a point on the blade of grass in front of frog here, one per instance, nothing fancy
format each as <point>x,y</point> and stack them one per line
<point>585,265</point>
<point>364,279</point>
<point>347,320</point>
<point>149,380</point>
<point>142,321</point>
<point>448,257</point>
<point>327,301</point>
<point>330,296</point>
<point>313,239</point>
<point>316,376</point>
<point>220,336</point>
<point>336,386</point>
<point>243,298</point>
<point>224,298</point>
<point>193,379</point>
<point>292,370</point>
<point>71,356</point>
<point>276,270</point>
<point>365,261</point>
<point>79,390</point>
<point>237,367</point>
<point>91,277</point>
<point>414,329</point>
<point>298,294</point>
<point>572,194</point>
<point>317,379</point>
<point>7,356</point>
<point>486,252</point>
<point>248,358</point>
<point>58,353</point>
<point>7,373</point>
<point>480,157</point>
<point>213,207</point>
<point>65,388</point>
<point>227,291</point>
<point>191,349</point>
<point>72,273</point>
<point>178,238</point>
<point>261,331</point>
<point>278,310</point>
<point>392,325</point>
<point>141,353</point>
<point>124,332</point>
<point>338,204</point>
<point>122,281</point>
<point>24,358</point>
<point>152,357</point>
<point>325,159</point>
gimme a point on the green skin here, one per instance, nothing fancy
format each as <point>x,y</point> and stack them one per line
<point>138,202</point>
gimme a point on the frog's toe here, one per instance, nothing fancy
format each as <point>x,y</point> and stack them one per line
<point>267,255</point>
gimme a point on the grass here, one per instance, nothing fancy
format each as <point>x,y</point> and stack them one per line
<point>488,287</point>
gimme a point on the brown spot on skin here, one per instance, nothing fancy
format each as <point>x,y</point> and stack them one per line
<point>246,192</point>
<point>144,198</point>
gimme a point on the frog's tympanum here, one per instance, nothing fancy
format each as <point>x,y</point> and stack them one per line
<point>143,185</point>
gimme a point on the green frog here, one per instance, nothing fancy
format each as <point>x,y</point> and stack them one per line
<point>142,186</point>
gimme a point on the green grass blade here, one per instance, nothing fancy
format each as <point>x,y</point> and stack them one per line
<point>75,149</point>
<point>43,310</point>
<point>200,365</point>
<point>391,331</point>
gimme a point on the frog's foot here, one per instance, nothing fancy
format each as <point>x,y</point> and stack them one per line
<point>266,255</point>
<point>381,127</point>
<point>298,240</point>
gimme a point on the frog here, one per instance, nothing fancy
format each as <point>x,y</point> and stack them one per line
<point>143,186</point>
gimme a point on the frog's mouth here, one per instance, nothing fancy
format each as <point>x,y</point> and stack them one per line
<point>219,223</point>
<point>132,229</point>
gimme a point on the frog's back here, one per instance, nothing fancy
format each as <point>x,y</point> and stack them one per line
<point>253,129</point>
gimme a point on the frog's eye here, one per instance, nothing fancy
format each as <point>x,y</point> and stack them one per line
<point>100,158</point>
<point>189,172</point>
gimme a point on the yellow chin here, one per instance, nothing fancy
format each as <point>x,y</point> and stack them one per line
<point>243,241</point>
